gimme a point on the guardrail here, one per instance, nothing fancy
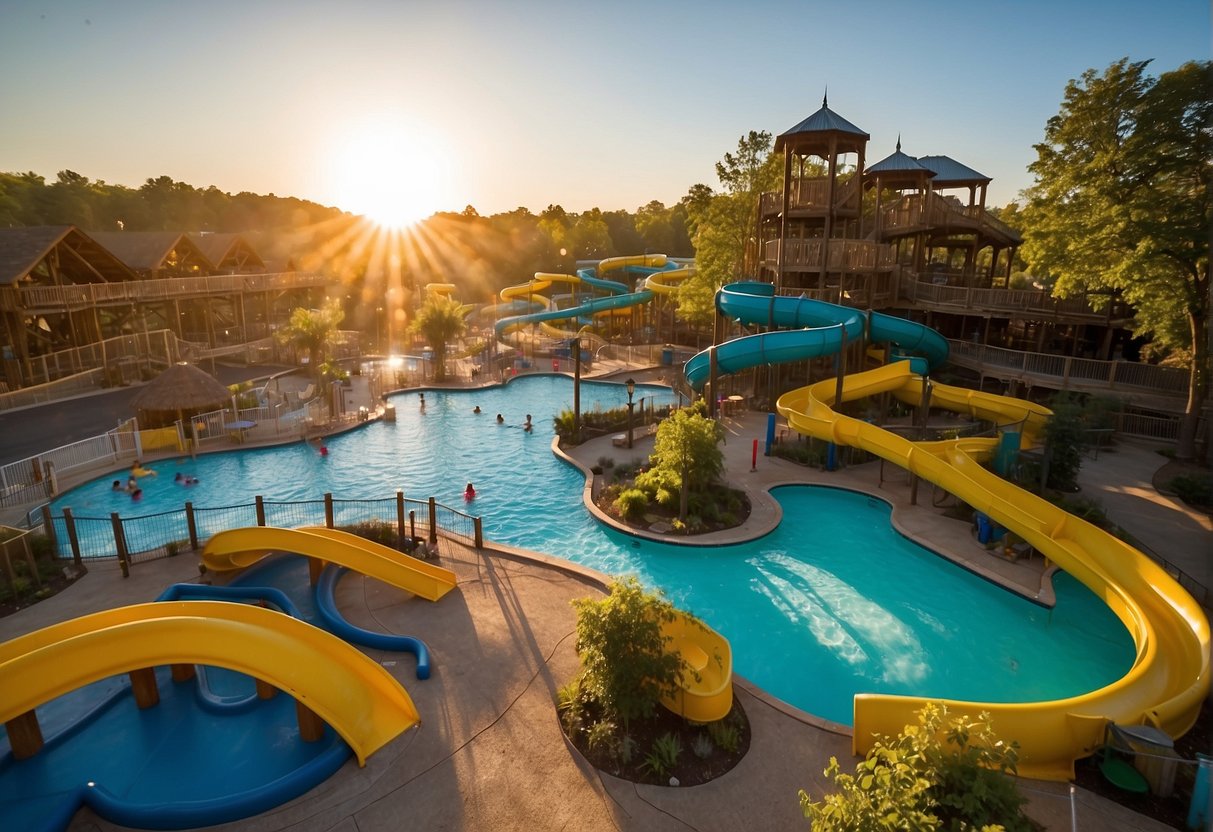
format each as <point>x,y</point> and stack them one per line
<point>36,477</point>
<point>90,295</point>
<point>152,536</point>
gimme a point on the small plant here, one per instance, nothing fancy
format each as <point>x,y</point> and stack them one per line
<point>664,756</point>
<point>703,746</point>
<point>603,735</point>
<point>627,749</point>
<point>632,503</point>
<point>605,462</point>
<point>569,705</point>
<point>725,734</point>
<point>172,548</point>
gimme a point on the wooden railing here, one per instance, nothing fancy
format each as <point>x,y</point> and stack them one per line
<point>1008,300</point>
<point>936,211</point>
<point>83,295</point>
<point>814,193</point>
<point>844,255</point>
<point>1068,372</point>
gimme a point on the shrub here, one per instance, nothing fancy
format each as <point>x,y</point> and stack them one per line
<point>913,781</point>
<point>726,734</point>
<point>624,664</point>
<point>666,750</point>
<point>1195,489</point>
<point>632,504</point>
<point>1063,443</point>
<point>703,746</point>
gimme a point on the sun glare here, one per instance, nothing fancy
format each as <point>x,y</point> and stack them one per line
<point>394,178</point>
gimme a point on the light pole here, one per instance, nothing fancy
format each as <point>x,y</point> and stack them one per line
<point>631,383</point>
<point>378,328</point>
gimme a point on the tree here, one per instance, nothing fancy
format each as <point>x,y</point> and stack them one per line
<point>625,666</point>
<point>1121,203</point>
<point>686,454</point>
<point>439,319</point>
<point>913,781</point>
<point>313,330</point>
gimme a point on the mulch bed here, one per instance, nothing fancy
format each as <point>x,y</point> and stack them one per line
<point>51,586</point>
<point>690,770</point>
<point>660,519</point>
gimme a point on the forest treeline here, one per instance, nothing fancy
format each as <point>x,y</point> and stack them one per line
<point>479,253</point>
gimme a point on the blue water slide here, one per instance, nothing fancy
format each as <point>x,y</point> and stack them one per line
<point>614,287</point>
<point>585,310</point>
<point>753,303</point>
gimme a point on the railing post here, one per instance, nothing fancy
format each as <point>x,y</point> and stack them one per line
<point>120,544</point>
<point>400,513</point>
<point>192,524</point>
<point>479,527</point>
<point>260,502</point>
<point>1065,373</point>
<point>1112,373</point>
<point>328,510</point>
<point>49,524</point>
<point>433,520</point>
<point>73,540</point>
<point>412,525</point>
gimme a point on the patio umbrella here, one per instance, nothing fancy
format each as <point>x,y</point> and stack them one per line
<point>180,389</point>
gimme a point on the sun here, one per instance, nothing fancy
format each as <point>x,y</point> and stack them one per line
<point>394,177</point>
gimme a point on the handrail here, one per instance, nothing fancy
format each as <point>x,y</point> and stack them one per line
<point>81,295</point>
<point>1011,300</point>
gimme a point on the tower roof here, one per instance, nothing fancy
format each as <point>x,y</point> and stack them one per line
<point>948,171</point>
<point>898,162</point>
<point>817,127</point>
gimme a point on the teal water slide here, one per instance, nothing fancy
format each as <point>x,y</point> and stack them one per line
<point>812,328</point>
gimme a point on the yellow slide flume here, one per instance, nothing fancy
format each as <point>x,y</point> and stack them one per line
<point>705,685</point>
<point>1169,678</point>
<point>238,548</point>
<point>340,684</point>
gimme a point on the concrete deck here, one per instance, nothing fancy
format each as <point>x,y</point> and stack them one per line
<point>489,752</point>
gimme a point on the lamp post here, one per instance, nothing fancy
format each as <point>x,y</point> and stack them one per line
<point>631,384</point>
<point>378,328</point>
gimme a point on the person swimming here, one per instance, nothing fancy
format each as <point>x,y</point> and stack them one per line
<point>527,426</point>
<point>117,486</point>
<point>476,409</point>
<point>469,493</point>
<point>500,419</point>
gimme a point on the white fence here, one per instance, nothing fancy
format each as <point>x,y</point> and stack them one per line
<point>36,477</point>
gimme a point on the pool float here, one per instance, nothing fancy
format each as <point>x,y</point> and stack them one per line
<point>140,471</point>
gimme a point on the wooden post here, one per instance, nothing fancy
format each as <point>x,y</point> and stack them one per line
<point>412,525</point>
<point>400,528</point>
<point>120,544</point>
<point>311,727</point>
<point>433,521</point>
<point>314,567</point>
<point>73,539</point>
<point>479,539</point>
<point>264,689</point>
<point>328,511</point>
<point>183,672</point>
<point>143,686</point>
<point>260,503</point>
<point>24,735</point>
<point>48,523</point>
<point>192,523</point>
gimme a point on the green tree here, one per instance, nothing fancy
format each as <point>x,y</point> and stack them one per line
<point>313,330</point>
<point>915,782</point>
<point>439,319</point>
<point>686,453</point>
<point>625,666</point>
<point>1121,202</point>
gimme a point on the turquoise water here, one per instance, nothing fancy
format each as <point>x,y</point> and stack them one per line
<point>833,603</point>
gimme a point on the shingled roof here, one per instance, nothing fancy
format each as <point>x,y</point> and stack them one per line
<point>819,125</point>
<point>83,259</point>
<point>949,172</point>
<point>227,251</point>
<point>145,251</point>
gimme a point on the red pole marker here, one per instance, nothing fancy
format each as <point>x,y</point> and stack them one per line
<point>754,457</point>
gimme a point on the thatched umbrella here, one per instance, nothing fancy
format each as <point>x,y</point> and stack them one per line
<point>182,388</point>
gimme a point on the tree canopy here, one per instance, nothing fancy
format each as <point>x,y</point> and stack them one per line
<point>1121,204</point>
<point>439,319</point>
<point>313,330</point>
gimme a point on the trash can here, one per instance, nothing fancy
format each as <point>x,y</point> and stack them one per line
<point>667,356</point>
<point>1154,755</point>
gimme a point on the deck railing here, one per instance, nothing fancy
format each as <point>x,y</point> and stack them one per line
<point>88,295</point>
<point>843,255</point>
<point>1037,301</point>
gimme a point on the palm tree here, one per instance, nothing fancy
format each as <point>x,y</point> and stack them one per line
<point>313,330</point>
<point>439,319</point>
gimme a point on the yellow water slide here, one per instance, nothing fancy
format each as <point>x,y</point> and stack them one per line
<point>648,261</point>
<point>705,685</point>
<point>337,682</point>
<point>1170,676</point>
<point>541,282</point>
<point>238,548</point>
<point>666,283</point>
<point>447,290</point>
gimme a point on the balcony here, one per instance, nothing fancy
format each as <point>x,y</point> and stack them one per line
<point>808,197</point>
<point>85,295</point>
<point>843,255</point>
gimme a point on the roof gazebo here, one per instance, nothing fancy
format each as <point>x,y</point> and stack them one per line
<point>180,391</point>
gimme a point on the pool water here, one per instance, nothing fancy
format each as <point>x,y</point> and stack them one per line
<point>832,603</point>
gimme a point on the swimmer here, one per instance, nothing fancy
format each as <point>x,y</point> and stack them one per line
<point>469,493</point>
<point>500,419</point>
<point>117,486</point>
<point>132,484</point>
<point>324,451</point>
<point>476,409</point>
<point>191,480</point>
<point>527,427</point>
<point>137,494</point>
<point>179,478</point>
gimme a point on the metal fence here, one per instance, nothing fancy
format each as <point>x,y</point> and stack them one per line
<point>151,536</point>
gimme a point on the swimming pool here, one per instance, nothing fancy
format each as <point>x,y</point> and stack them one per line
<point>832,603</point>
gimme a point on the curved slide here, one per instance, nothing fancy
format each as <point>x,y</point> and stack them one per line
<point>344,687</point>
<point>238,548</point>
<point>1171,675</point>
<point>705,685</point>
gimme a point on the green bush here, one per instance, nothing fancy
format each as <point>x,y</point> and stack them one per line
<point>632,503</point>
<point>625,667</point>
<point>1064,436</point>
<point>666,750</point>
<point>915,781</point>
<point>1195,489</point>
<point>802,453</point>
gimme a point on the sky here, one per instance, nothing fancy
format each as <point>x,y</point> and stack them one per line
<point>526,103</point>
